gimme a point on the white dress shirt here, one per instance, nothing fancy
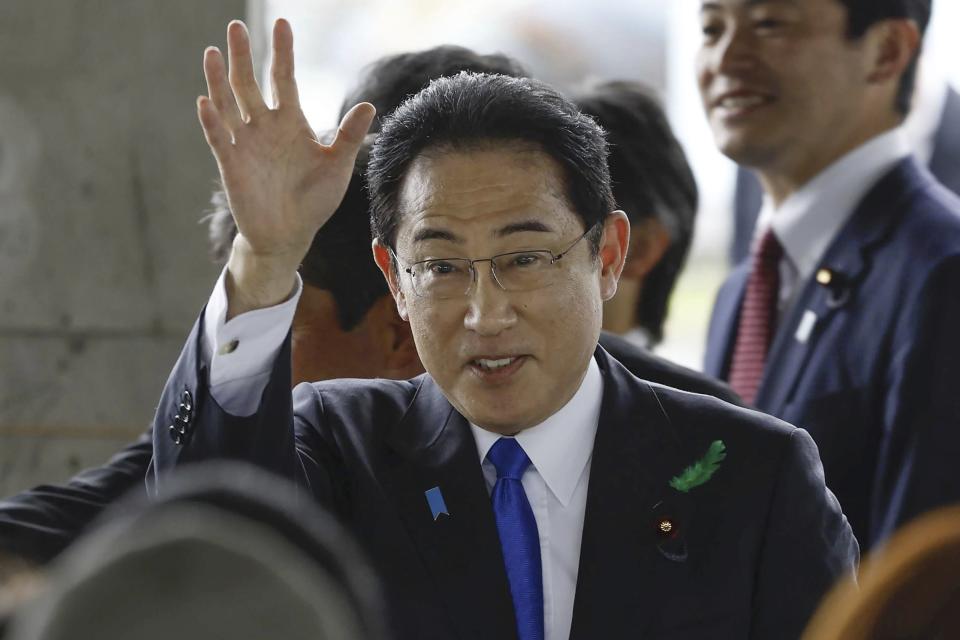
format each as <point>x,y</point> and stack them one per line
<point>240,355</point>
<point>560,450</point>
<point>810,218</point>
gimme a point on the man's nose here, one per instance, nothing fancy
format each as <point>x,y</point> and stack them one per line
<point>490,310</point>
<point>735,51</point>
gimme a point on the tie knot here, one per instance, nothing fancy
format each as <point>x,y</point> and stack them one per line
<point>509,458</point>
<point>769,250</point>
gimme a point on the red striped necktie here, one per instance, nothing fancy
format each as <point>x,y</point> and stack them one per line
<point>758,318</point>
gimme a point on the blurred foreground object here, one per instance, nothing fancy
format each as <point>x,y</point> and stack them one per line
<point>226,552</point>
<point>908,588</point>
<point>20,581</point>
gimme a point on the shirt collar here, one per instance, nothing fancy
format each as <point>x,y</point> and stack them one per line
<point>808,220</point>
<point>560,446</point>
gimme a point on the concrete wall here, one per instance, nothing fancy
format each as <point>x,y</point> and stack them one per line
<point>104,174</point>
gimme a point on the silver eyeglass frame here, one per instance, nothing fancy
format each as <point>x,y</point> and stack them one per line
<point>554,258</point>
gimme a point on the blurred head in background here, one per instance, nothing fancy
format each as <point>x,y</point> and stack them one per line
<point>789,87</point>
<point>653,184</point>
<point>387,82</point>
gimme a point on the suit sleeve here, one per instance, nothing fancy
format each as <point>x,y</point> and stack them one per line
<point>808,545</point>
<point>190,426</point>
<point>916,469</point>
<point>39,523</point>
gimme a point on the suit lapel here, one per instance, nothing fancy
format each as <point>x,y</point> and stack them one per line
<point>624,568</point>
<point>848,260</point>
<point>461,551</point>
<point>723,323</point>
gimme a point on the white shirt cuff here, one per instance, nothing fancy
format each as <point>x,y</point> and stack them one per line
<point>240,353</point>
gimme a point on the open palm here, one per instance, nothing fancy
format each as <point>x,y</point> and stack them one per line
<point>281,182</point>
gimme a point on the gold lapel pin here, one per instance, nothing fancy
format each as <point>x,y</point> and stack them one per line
<point>666,527</point>
<point>825,277</point>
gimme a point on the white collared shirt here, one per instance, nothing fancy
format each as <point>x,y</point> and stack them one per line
<point>560,450</point>
<point>810,218</point>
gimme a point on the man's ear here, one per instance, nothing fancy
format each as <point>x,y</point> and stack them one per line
<point>649,240</point>
<point>384,259</point>
<point>395,340</point>
<point>893,45</point>
<point>613,251</point>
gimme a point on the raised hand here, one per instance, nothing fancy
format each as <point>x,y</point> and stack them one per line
<point>281,182</point>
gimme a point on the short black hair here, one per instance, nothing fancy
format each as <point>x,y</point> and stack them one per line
<point>471,110</point>
<point>388,81</point>
<point>863,14</point>
<point>651,179</point>
<point>339,258</point>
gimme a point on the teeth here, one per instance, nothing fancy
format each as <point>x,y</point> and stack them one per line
<point>741,102</point>
<point>494,364</point>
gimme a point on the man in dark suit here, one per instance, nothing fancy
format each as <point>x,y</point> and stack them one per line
<point>345,326</point>
<point>844,321</point>
<point>944,164</point>
<point>527,486</point>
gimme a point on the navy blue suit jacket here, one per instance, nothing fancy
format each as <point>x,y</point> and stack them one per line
<point>944,165</point>
<point>875,382</point>
<point>754,548</point>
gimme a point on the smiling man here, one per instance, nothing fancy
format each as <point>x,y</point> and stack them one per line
<point>845,319</point>
<point>527,486</point>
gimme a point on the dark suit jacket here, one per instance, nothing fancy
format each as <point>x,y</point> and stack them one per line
<point>876,382</point>
<point>40,523</point>
<point>944,164</point>
<point>756,546</point>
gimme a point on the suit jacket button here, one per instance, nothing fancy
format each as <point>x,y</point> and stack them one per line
<point>186,400</point>
<point>175,435</point>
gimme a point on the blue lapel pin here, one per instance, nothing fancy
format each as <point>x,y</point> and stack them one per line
<point>435,500</point>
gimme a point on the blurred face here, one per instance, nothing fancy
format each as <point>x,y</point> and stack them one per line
<point>783,88</point>
<point>322,350</point>
<point>506,360</point>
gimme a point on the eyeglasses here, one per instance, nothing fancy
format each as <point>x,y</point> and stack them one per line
<point>443,278</point>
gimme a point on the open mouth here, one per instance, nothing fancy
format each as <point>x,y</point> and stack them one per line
<point>496,368</point>
<point>740,105</point>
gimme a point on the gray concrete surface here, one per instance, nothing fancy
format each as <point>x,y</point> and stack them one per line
<point>104,174</point>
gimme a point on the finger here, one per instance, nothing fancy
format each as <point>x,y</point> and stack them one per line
<point>281,69</point>
<point>353,128</point>
<point>218,136</point>
<point>215,71</point>
<point>242,78</point>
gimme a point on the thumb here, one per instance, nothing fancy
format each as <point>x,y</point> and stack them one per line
<point>353,128</point>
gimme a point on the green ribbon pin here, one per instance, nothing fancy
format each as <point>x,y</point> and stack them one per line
<point>702,470</point>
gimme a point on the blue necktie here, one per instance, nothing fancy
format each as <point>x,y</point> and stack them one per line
<point>518,537</point>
